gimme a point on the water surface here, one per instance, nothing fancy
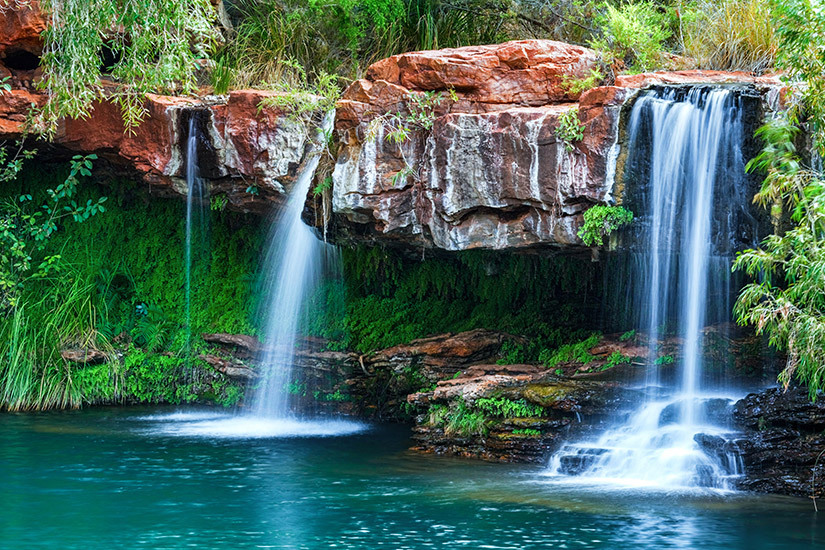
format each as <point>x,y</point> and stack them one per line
<point>132,478</point>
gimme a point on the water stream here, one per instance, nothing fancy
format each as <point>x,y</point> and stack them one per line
<point>292,270</point>
<point>689,216</point>
<point>196,220</point>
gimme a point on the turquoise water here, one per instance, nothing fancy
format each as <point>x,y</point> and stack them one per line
<point>128,478</point>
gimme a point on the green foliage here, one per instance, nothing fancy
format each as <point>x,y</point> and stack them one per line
<point>464,421</point>
<point>117,277</point>
<point>600,221</point>
<point>467,420</point>
<point>218,202</point>
<point>664,360</point>
<point>529,432</point>
<point>25,231</point>
<point>458,419</point>
<point>336,396</point>
<point>578,352</point>
<point>155,45</point>
<point>617,358</point>
<point>629,335</point>
<point>570,130</point>
<point>730,34</point>
<point>275,41</point>
<point>632,34</point>
<point>301,99</point>
<point>578,85</point>
<point>502,407</point>
<point>389,298</point>
<point>324,185</point>
<point>511,353</point>
<point>297,388</point>
<point>787,296</point>
<point>800,27</point>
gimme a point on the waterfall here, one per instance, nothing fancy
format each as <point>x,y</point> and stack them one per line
<point>196,220</point>
<point>691,219</point>
<point>292,271</point>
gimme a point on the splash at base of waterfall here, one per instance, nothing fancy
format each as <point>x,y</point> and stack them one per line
<point>654,450</point>
<point>229,426</point>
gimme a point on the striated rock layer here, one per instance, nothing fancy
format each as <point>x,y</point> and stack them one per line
<point>482,165</point>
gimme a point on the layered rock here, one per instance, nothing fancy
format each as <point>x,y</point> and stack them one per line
<point>511,413</point>
<point>242,143</point>
<point>486,168</point>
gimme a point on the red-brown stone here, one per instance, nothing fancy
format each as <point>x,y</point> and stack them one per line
<point>21,26</point>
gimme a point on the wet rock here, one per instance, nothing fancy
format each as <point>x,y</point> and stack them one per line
<point>557,407</point>
<point>84,356</point>
<point>491,172</point>
<point>229,367</point>
<point>783,442</point>
<point>777,408</point>
<point>248,344</point>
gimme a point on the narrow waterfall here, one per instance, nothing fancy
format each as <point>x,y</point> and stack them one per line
<point>196,220</point>
<point>691,217</point>
<point>292,270</point>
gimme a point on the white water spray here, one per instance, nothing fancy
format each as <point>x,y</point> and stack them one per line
<point>695,142</point>
<point>196,220</point>
<point>293,266</point>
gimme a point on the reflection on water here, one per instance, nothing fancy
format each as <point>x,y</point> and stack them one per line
<point>119,478</point>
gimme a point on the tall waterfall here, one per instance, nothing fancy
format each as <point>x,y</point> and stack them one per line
<point>691,215</point>
<point>196,220</point>
<point>292,271</point>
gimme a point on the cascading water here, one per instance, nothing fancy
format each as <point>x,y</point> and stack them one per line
<point>293,267</point>
<point>294,263</point>
<point>196,219</point>
<point>691,216</point>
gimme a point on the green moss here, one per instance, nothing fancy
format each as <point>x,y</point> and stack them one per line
<point>392,299</point>
<point>507,408</point>
<point>528,432</point>
<point>578,352</point>
<point>121,279</point>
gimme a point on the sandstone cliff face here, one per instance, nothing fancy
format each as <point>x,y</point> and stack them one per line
<point>242,144</point>
<point>491,172</point>
<point>482,166</point>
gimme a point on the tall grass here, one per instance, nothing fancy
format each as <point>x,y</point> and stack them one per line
<point>53,314</point>
<point>274,41</point>
<point>730,35</point>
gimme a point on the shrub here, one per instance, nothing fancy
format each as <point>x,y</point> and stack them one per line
<point>578,352</point>
<point>633,34</point>
<point>570,130</point>
<point>507,408</point>
<point>600,221</point>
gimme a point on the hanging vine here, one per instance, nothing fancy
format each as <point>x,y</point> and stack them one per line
<point>152,45</point>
